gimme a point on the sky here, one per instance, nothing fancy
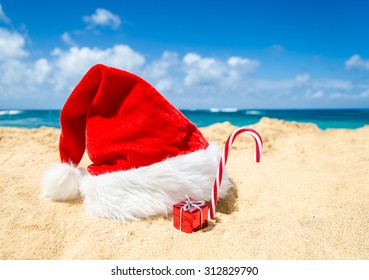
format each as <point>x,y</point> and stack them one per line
<point>199,54</point>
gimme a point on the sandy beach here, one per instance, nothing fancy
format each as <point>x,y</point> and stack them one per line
<point>307,199</point>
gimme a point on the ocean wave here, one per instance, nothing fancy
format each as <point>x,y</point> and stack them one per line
<point>223,110</point>
<point>252,112</point>
<point>10,112</point>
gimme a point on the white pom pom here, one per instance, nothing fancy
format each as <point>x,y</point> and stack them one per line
<point>61,182</point>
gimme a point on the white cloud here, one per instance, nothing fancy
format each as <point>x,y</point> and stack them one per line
<point>189,81</point>
<point>191,58</point>
<point>17,75</point>
<point>339,95</point>
<point>205,71</point>
<point>67,39</point>
<point>41,71</point>
<point>161,67</point>
<point>72,64</point>
<point>317,94</point>
<point>277,49</point>
<point>273,85</point>
<point>332,83</point>
<point>164,85</point>
<point>318,87</point>
<point>44,79</point>
<point>303,78</point>
<point>17,72</point>
<point>237,69</point>
<point>358,63</point>
<point>102,17</point>
<point>21,80</point>
<point>202,71</point>
<point>365,94</point>
<point>11,45</point>
<point>162,73</point>
<point>243,64</point>
<point>12,72</point>
<point>3,16</point>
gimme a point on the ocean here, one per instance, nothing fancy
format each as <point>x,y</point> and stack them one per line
<point>323,118</point>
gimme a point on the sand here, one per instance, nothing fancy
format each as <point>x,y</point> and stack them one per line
<point>307,199</point>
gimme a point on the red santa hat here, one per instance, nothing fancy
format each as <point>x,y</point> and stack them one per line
<point>146,155</point>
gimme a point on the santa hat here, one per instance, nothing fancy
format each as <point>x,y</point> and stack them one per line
<point>146,155</point>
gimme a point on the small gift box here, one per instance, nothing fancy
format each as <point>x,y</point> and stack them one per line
<point>190,215</point>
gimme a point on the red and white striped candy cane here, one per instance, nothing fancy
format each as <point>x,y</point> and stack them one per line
<point>223,161</point>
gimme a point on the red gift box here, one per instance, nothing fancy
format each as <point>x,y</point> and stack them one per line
<point>190,215</point>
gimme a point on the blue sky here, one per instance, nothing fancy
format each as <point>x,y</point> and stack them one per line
<point>199,54</point>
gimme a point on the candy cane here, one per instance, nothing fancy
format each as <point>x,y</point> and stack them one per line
<point>223,161</point>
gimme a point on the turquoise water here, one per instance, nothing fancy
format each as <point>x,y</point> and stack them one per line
<point>340,118</point>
